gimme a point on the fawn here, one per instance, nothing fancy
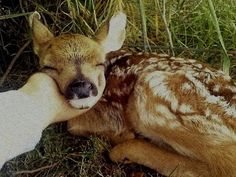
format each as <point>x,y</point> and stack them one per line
<point>77,62</point>
<point>174,115</point>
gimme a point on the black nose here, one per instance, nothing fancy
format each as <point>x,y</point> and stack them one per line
<point>82,89</point>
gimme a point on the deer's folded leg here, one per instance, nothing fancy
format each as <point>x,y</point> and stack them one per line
<point>94,122</point>
<point>165,162</point>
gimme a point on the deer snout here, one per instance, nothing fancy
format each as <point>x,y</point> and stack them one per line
<point>81,89</point>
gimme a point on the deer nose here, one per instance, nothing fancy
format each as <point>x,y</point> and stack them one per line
<point>82,89</point>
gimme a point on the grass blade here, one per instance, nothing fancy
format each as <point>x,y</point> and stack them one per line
<point>144,27</point>
<point>226,60</point>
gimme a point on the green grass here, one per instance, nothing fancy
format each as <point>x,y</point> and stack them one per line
<point>186,28</point>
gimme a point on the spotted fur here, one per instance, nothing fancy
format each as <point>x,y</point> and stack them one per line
<point>184,109</point>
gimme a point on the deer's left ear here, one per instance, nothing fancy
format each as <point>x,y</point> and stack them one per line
<point>112,35</point>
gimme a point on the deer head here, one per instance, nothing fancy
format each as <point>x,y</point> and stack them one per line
<point>77,62</point>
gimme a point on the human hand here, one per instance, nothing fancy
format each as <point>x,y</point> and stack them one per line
<point>43,89</point>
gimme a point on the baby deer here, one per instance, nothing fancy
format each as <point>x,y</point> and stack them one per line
<point>174,115</point>
<point>77,62</point>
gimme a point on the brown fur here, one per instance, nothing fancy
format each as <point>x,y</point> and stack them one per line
<point>198,140</point>
<point>72,59</point>
<point>173,115</point>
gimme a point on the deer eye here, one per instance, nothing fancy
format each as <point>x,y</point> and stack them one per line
<point>102,65</point>
<point>48,68</point>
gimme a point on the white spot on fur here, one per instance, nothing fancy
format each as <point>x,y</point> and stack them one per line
<point>192,61</point>
<point>113,60</point>
<point>211,99</point>
<point>174,124</point>
<point>159,87</point>
<point>175,67</point>
<point>146,116</point>
<point>216,118</point>
<point>208,70</point>
<point>186,86</point>
<point>165,112</point>
<point>118,72</point>
<point>149,67</point>
<point>223,130</point>
<point>231,110</point>
<point>184,108</point>
<point>139,53</point>
<point>234,97</point>
<point>216,88</point>
<point>232,88</point>
<point>136,68</point>
<point>208,112</point>
<point>162,55</point>
<point>198,65</point>
<point>152,60</point>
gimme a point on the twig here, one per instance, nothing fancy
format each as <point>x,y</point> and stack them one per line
<point>4,17</point>
<point>2,80</point>
<point>36,170</point>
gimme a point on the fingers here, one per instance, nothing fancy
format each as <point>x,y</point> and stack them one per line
<point>44,90</point>
<point>42,81</point>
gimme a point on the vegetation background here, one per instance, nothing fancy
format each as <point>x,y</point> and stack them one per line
<point>200,29</point>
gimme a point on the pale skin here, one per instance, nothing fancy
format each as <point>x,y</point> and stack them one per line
<point>42,88</point>
<point>27,111</point>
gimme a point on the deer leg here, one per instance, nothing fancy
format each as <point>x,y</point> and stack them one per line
<point>88,124</point>
<point>166,163</point>
<point>84,126</point>
<point>92,122</point>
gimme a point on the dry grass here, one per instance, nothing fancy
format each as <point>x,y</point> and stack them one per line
<point>205,30</point>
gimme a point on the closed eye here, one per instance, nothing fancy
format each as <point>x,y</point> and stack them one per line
<point>103,65</point>
<point>48,68</point>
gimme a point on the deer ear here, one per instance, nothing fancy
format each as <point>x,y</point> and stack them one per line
<point>40,33</point>
<point>112,35</point>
